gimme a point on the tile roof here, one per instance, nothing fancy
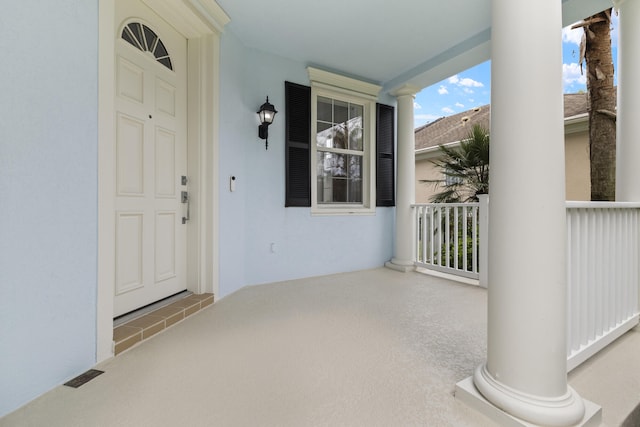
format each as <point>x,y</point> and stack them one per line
<point>456,128</point>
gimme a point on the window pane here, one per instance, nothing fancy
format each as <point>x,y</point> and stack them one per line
<point>126,35</point>
<point>339,178</point>
<point>355,126</point>
<point>166,62</point>
<point>149,36</point>
<point>324,137</point>
<point>355,139</point>
<point>340,111</point>
<point>136,29</point>
<point>160,51</point>
<point>355,110</point>
<point>340,136</point>
<point>325,109</point>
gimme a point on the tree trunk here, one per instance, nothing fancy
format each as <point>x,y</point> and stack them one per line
<point>602,106</point>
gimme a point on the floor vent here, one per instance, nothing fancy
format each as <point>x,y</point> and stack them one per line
<point>83,378</point>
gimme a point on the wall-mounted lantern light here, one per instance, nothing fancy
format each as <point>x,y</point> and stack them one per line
<point>266,114</point>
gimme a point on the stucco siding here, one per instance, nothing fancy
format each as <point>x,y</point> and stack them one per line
<point>253,218</point>
<point>48,194</point>
<point>578,185</point>
<point>426,170</point>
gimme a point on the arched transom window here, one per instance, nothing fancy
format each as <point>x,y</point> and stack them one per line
<point>145,39</point>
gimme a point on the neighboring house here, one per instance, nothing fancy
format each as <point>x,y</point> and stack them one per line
<point>111,109</point>
<point>449,131</point>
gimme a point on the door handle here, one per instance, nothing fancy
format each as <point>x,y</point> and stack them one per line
<point>184,198</point>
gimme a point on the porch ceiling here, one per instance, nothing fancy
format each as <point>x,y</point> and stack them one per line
<point>384,42</point>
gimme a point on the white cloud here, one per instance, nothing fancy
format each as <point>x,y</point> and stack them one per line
<point>471,100</point>
<point>442,90</point>
<point>416,106</point>
<point>467,82</point>
<point>459,105</point>
<point>467,90</point>
<point>571,74</point>
<point>572,36</point>
<point>447,110</point>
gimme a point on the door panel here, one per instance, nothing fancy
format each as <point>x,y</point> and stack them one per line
<point>130,81</point>
<point>165,262</point>
<point>130,156</point>
<point>129,252</point>
<point>150,100</point>
<point>165,163</point>
<point>165,98</point>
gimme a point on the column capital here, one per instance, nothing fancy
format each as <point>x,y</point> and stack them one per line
<point>405,90</point>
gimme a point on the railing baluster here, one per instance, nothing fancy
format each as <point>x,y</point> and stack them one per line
<point>425,235</point>
<point>456,226</point>
<point>465,236</point>
<point>433,235</point>
<point>473,258</point>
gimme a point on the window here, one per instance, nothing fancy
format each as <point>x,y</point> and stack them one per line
<point>143,38</point>
<point>451,179</point>
<point>343,144</point>
<point>339,147</point>
<point>339,151</point>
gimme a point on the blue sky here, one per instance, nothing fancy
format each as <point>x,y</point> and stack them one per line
<point>472,88</point>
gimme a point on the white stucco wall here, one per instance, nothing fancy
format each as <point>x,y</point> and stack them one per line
<point>254,216</point>
<point>48,195</point>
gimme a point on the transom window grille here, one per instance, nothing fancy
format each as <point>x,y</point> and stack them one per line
<point>340,151</point>
<point>145,39</point>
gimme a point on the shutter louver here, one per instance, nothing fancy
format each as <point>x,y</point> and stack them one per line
<point>385,176</point>
<point>297,146</point>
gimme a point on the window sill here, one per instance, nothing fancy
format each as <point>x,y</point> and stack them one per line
<point>344,211</point>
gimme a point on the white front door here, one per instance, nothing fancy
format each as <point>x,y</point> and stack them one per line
<point>150,158</point>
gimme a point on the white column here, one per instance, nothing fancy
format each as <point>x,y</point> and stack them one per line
<point>627,124</point>
<point>525,372</point>
<point>403,255</point>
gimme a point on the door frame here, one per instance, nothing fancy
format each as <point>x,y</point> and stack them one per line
<point>201,22</point>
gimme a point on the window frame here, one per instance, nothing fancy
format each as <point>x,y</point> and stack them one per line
<point>336,87</point>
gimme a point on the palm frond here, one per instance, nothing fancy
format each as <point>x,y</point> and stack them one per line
<point>466,168</point>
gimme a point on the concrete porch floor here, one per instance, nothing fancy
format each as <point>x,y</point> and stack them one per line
<point>369,348</point>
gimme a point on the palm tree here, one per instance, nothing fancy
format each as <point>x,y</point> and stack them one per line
<point>595,50</point>
<point>466,169</point>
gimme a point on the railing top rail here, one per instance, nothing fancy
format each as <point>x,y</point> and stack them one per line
<point>570,205</point>
<point>449,205</point>
<point>603,205</point>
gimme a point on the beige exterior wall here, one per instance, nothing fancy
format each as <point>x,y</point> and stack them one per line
<point>577,182</point>
<point>426,170</point>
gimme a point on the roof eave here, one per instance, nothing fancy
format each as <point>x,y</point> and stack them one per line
<point>572,124</point>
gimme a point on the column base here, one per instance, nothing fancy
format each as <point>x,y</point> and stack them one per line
<point>400,265</point>
<point>526,411</point>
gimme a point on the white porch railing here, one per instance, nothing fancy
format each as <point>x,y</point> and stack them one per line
<point>602,275</point>
<point>603,257</point>
<point>448,237</point>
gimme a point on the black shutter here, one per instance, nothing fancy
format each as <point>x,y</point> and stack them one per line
<point>385,132</point>
<point>298,145</point>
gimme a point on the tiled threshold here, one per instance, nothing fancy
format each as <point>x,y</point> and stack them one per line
<point>139,329</point>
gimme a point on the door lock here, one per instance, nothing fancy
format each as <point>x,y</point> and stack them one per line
<point>184,198</point>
